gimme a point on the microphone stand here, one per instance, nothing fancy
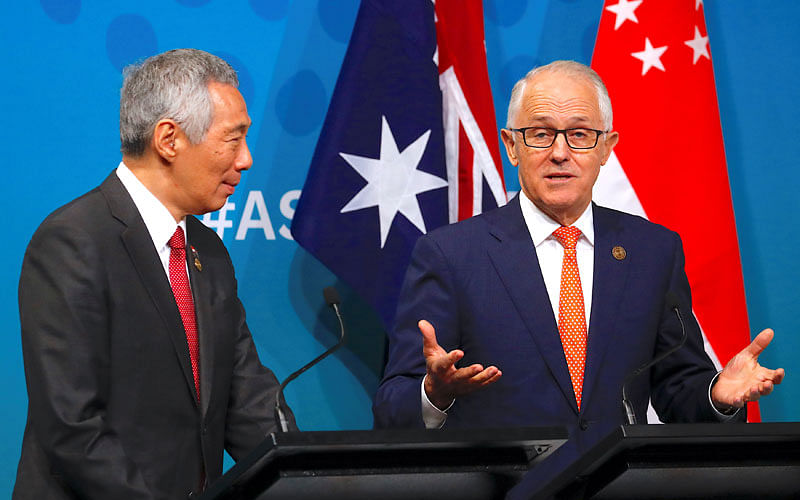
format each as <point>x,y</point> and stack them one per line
<point>332,299</point>
<point>629,413</point>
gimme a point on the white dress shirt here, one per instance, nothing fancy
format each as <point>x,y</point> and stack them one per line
<point>551,255</point>
<point>160,223</point>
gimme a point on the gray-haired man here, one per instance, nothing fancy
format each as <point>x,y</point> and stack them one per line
<point>139,364</point>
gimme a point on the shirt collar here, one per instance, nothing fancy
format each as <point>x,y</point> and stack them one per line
<point>159,222</point>
<point>541,226</point>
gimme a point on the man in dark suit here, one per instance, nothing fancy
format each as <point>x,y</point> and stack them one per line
<point>139,364</point>
<point>565,321</point>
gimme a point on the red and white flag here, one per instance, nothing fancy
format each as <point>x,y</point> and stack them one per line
<point>669,165</point>
<point>472,151</point>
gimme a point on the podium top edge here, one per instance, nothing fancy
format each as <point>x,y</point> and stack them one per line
<point>761,431</point>
<point>485,436</point>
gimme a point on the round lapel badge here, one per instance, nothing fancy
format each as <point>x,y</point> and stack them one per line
<point>618,252</point>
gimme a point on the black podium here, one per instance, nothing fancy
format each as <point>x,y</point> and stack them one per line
<point>695,461</point>
<point>398,464</point>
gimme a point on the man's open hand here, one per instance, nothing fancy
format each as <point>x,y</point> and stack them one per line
<point>743,378</point>
<point>445,382</point>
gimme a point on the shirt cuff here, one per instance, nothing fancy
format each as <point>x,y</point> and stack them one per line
<point>722,416</point>
<point>433,417</point>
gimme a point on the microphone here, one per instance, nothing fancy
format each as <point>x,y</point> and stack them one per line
<point>672,300</point>
<point>333,300</point>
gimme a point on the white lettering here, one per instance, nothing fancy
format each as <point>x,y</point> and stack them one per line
<point>221,223</point>
<point>287,210</point>
<point>255,200</point>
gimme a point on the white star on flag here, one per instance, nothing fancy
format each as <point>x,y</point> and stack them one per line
<point>650,56</point>
<point>393,181</point>
<point>697,4</point>
<point>624,11</point>
<point>699,45</point>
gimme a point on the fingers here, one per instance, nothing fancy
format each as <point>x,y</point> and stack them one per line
<point>487,377</point>
<point>755,391</point>
<point>777,376</point>
<point>769,380</point>
<point>764,375</point>
<point>758,390</point>
<point>459,375</point>
<point>443,375</point>
<point>428,335</point>
<point>474,377</point>
<point>442,363</point>
<point>760,343</point>
<point>462,381</point>
<point>476,374</point>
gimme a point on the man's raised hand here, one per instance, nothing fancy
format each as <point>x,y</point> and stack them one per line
<point>743,378</point>
<point>445,382</point>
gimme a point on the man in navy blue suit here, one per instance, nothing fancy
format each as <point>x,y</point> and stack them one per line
<point>487,294</point>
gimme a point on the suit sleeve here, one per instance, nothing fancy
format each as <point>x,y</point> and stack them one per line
<point>428,293</point>
<point>253,392</point>
<point>680,383</point>
<point>65,345</point>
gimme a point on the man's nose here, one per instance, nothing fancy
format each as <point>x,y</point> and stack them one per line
<point>559,151</point>
<point>244,160</point>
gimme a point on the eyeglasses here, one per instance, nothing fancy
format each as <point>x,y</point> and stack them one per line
<point>544,137</point>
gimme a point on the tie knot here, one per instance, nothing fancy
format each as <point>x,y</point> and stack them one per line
<point>177,240</point>
<point>567,236</point>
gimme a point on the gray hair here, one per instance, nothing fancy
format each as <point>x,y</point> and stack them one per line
<point>572,69</point>
<point>170,85</point>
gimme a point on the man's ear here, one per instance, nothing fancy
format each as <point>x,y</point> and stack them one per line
<point>165,135</point>
<point>508,142</point>
<point>609,142</point>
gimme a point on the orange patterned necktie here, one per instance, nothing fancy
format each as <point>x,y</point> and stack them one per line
<point>183,297</point>
<point>571,311</point>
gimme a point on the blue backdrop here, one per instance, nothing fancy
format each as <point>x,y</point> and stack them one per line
<point>60,95</point>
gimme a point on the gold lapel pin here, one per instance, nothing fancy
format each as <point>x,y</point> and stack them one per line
<point>197,263</point>
<point>619,253</point>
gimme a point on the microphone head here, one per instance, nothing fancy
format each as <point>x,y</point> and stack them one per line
<point>331,296</point>
<point>672,300</point>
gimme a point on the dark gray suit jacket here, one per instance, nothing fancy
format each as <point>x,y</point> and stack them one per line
<point>112,408</point>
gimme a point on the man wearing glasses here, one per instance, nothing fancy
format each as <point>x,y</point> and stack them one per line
<point>536,312</point>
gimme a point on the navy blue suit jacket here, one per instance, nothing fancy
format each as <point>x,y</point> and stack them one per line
<point>479,283</point>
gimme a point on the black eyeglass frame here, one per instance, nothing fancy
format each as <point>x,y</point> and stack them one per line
<point>560,131</point>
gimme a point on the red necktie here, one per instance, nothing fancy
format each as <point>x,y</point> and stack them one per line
<point>183,297</point>
<point>571,311</point>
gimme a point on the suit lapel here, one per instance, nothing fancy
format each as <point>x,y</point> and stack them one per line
<point>144,257</point>
<point>610,276</point>
<point>515,261</point>
<point>202,293</point>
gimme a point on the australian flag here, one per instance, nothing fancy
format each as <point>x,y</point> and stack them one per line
<point>379,175</point>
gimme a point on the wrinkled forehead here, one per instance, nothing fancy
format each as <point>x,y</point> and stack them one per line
<point>560,96</point>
